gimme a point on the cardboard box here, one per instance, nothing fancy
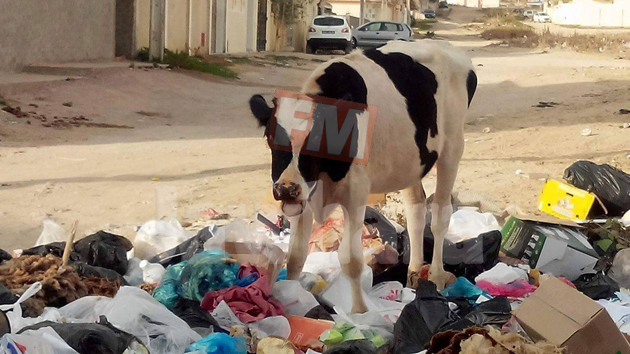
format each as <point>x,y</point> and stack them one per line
<point>565,201</point>
<point>555,247</point>
<point>565,317</point>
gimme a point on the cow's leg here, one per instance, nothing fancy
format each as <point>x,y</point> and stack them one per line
<point>415,211</point>
<point>441,208</point>
<point>351,248</point>
<point>301,227</point>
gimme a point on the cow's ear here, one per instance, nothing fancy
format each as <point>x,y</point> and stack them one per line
<point>260,109</point>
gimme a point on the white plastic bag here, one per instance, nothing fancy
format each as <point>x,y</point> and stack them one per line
<point>620,270</point>
<point>134,311</point>
<point>155,237</point>
<point>502,274</point>
<point>14,311</point>
<point>295,299</point>
<point>51,232</point>
<point>389,290</point>
<point>134,272</point>
<point>276,326</point>
<point>43,341</point>
<point>466,224</point>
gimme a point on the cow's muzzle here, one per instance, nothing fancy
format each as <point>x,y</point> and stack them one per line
<point>288,193</point>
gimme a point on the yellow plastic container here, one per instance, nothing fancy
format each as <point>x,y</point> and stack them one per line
<point>565,201</point>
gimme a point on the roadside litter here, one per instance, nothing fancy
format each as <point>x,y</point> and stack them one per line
<point>223,288</point>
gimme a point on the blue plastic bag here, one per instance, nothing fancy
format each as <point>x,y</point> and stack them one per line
<point>463,288</point>
<point>219,343</point>
<point>205,272</point>
<point>167,293</point>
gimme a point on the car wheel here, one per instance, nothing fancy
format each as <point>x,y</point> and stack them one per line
<point>348,48</point>
<point>353,42</point>
<point>310,49</point>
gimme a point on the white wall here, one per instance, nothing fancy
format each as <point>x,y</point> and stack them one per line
<point>592,14</point>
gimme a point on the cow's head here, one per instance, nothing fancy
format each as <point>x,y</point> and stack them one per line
<point>294,175</point>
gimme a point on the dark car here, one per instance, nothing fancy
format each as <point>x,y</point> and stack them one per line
<point>428,13</point>
<point>443,5</point>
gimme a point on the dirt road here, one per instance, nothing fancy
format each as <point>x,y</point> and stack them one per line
<point>194,144</point>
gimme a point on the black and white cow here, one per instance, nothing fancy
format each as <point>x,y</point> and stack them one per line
<point>422,91</point>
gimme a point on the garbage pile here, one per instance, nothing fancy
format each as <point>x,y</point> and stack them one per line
<point>540,285</point>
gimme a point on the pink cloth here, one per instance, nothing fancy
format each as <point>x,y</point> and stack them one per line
<point>250,304</point>
<point>518,288</point>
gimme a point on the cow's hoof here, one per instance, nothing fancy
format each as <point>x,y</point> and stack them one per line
<point>414,276</point>
<point>441,279</point>
<point>359,309</point>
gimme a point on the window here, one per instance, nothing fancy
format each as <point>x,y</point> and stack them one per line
<point>328,21</point>
<point>399,27</point>
<point>374,26</point>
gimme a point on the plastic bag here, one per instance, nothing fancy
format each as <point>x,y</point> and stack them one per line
<point>219,343</point>
<point>427,315</point>
<point>294,298</point>
<point>462,288</point>
<point>611,185</point>
<point>502,274</point>
<point>466,224</point>
<point>134,311</point>
<point>596,286</point>
<point>185,250</point>
<point>155,237</point>
<point>360,346</point>
<point>168,291</point>
<point>134,274</point>
<point>495,312</point>
<point>99,337</point>
<point>51,232</point>
<point>205,272</point>
<point>13,312</point>
<point>518,288</point>
<point>194,315</point>
<point>42,341</point>
<point>620,270</point>
<point>105,250</point>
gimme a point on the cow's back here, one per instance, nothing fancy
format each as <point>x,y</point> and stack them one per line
<point>419,89</point>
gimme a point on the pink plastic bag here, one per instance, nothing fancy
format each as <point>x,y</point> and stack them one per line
<point>518,288</point>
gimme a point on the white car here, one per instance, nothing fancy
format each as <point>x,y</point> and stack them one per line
<point>329,32</point>
<point>529,14</point>
<point>542,17</point>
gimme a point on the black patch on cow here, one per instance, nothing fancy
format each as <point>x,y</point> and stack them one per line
<point>418,85</point>
<point>339,81</point>
<point>471,85</point>
<point>260,110</point>
<point>280,159</point>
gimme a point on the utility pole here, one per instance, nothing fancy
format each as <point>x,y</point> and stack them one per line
<point>158,19</point>
<point>361,10</point>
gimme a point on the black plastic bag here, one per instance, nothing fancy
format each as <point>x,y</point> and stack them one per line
<point>185,250</point>
<point>610,184</point>
<point>357,346</point>
<point>468,258</point>
<point>106,250</point>
<point>4,256</point>
<point>90,338</point>
<point>6,296</point>
<point>425,316</point>
<point>191,312</point>
<point>596,286</point>
<point>55,248</point>
<point>319,313</point>
<point>85,271</point>
<point>495,312</point>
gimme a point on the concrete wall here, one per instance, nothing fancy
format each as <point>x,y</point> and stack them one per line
<point>33,31</point>
<point>592,14</point>
<point>374,10</point>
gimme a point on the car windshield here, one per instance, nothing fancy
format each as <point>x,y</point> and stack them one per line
<point>328,21</point>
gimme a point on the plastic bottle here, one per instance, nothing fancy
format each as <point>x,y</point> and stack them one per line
<point>152,273</point>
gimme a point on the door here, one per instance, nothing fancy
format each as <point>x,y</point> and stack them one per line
<point>368,35</point>
<point>261,33</point>
<point>125,18</point>
<point>388,32</point>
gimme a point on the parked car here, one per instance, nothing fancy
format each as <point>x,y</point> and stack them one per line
<point>542,17</point>
<point>518,11</point>
<point>380,32</point>
<point>428,13</point>
<point>329,32</point>
<point>529,14</point>
<point>443,5</point>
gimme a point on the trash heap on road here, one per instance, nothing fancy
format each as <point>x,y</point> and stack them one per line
<point>534,285</point>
